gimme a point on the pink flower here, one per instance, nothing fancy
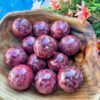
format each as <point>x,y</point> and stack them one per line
<point>83,14</point>
<point>55,4</point>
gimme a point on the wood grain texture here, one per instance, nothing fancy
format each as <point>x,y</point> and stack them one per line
<point>87,59</point>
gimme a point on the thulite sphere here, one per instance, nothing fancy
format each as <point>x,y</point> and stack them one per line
<point>58,61</point>
<point>27,44</point>
<point>70,45</point>
<point>21,27</point>
<point>15,56</point>
<point>36,63</point>
<point>20,77</point>
<point>41,28</point>
<point>59,29</point>
<point>45,46</point>
<point>45,81</point>
<point>70,79</point>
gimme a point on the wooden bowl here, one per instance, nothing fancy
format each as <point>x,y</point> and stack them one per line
<point>87,59</point>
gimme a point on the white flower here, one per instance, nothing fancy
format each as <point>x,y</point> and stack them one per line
<point>36,5</point>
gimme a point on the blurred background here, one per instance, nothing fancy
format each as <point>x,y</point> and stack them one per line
<point>15,5</point>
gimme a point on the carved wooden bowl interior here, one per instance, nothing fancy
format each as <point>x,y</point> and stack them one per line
<point>87,58</point>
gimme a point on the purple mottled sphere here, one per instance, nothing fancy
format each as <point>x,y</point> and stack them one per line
<point>58,61</point>
<point>41,28</point>
<point>27,44</point>
<point>45,81</point>
<point>36,63</point>
<point>20,77</point>
<point>70,45</point>
<point>45,46</point>
<point>15,56</point>
<point>70,79</point>
<point>59,29</point>
<point>21,27</point>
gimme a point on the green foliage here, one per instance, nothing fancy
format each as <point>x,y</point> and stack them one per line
<point>96,27</point>
<point>94,7</point>
<point>74,2</point>
<point>66,6</point>
<point>64,9</point>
